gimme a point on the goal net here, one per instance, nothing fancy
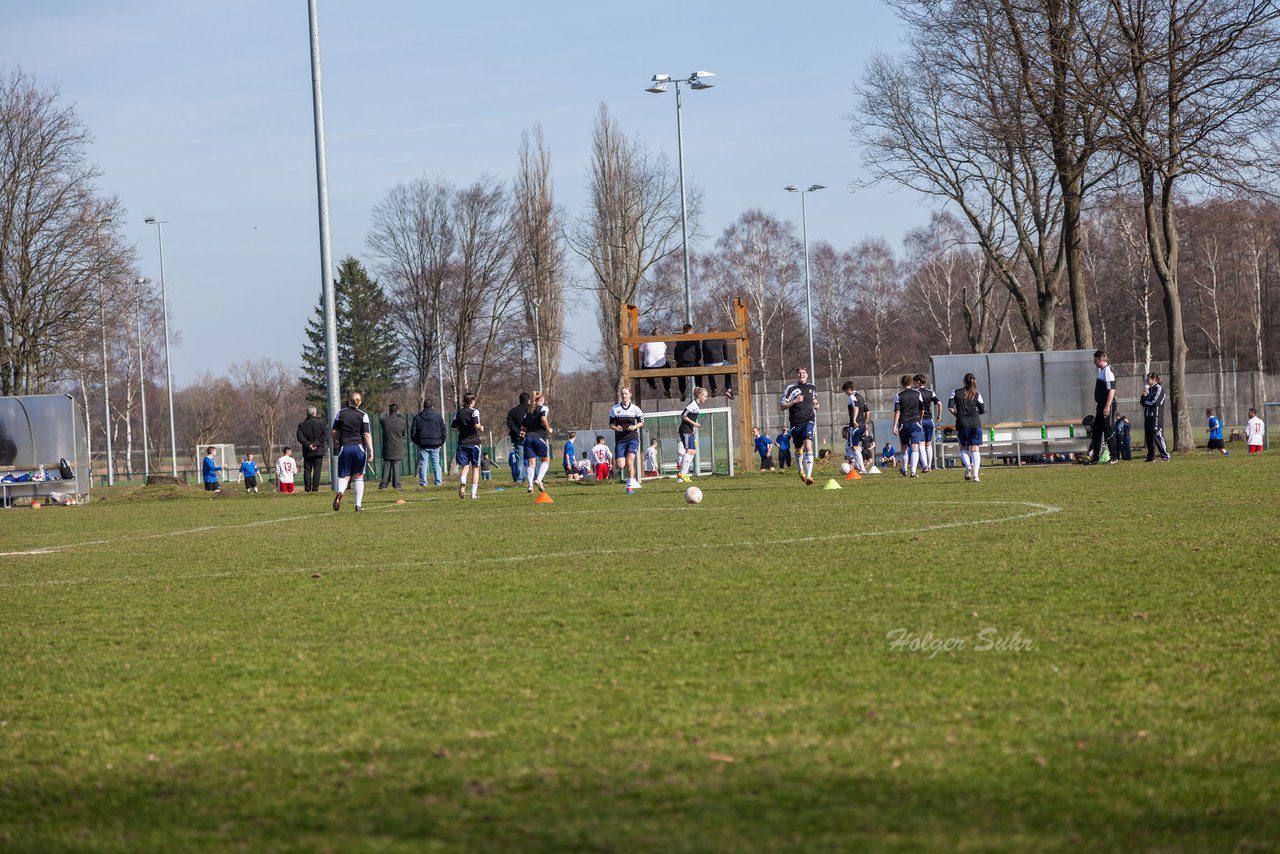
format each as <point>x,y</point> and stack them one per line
<point>715,441</point>
<point>226,457</point>
<point>1271,420</point>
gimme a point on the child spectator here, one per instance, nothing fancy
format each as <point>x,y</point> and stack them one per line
<point>249,469</point>
<point>651,459</point>
<point>1215,433</point>
<point>763,446</point>
<point>513,460</point>
<point>286,467</point>
<point>1254,430</point>
<point>486,468</point>
<point>601,457</point>
<point>570,462</point>
<point>784,449</point>
<point>209,469</point>
<point>887,456</point>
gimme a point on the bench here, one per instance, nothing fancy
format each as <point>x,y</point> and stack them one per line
<point>1016,439</point>
<point>33,488</point>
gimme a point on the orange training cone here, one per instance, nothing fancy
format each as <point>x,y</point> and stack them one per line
<point>543,498</point>
<point>853,475</point>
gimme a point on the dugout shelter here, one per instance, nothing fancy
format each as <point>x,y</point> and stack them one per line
<point>43,431</point>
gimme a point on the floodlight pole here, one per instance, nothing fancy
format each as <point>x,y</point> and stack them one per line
<point>106,385</point>
<point>142,385</point>
<point>808,291</point>
<point>694,81</point>
<point>326,252</point>
<point>168,364</point>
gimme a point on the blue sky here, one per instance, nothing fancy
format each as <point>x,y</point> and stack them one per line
<point>201,115</point>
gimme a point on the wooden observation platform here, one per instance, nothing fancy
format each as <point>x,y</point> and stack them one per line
<point>632,372</point>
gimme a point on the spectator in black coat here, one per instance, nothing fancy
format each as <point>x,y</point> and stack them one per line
<point>394,428</point>
<point>688,354</point>
<point>313,436</point>
<point>715,354</point>
<point>515,426</point>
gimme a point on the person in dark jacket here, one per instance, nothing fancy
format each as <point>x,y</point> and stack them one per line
<point>688,354</point>
<point>515,427</point>
<point>715,354</point>
<point>313,436</point>
<point>394,428</point>
<point>428,434</point>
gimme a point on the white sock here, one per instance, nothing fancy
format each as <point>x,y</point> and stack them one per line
<point>474,486</point>
<point>857,461</point>
<point>977,461</point>
<point>928,456</point>
<point>915,459</point>
<point>964,458</point>
<point>542,469</point>
<point>342,484</point>
<point>808,465</point>
<point>531,472</point>
<point>359,487</point>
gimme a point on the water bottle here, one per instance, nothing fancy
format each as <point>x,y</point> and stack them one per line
<point>41,475</point>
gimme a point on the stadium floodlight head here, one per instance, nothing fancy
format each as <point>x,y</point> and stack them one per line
<point>657,88</point>
<point>791,188</point>
<point>697,75</point>
<point>815,187</point>
<point>150,220</point>
<point>662,78</point>
<point>698,85</point>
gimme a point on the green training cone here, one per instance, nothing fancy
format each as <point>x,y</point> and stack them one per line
<point>831,484</point>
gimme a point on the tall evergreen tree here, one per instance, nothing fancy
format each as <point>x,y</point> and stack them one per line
<point>368,360</point>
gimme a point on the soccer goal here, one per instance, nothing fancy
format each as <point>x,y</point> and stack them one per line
<point>1271,419</point>
<point>715,441</point>
<point>226,457</point>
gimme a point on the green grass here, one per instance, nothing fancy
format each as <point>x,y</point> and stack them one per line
<point>626,673</point>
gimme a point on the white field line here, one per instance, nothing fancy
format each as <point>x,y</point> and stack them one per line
<point>1034,509</point>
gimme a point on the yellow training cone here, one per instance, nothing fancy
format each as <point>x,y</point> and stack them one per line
<point>831,484</point>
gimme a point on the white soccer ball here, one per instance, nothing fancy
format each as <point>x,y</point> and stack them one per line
<point>845,468</point>
<point>693,495</point>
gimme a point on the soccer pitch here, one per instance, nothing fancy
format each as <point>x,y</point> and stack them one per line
<point>1056,658</point>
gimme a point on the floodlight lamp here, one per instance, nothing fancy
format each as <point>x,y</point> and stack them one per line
<point>657,88</point>
<point>791,188</point>
<point>150,220</point>
<point>815,187</point>
<point>701,74</point>
<point>662,78</point>
<point>698,85</point>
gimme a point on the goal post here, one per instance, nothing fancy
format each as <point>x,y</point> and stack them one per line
<point>226,457</point>
<point>715,441</point>
<point>1270,420</point>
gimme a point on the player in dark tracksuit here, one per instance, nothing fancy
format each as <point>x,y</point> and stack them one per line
<point>1153,418</point>
<point>1104,395</point>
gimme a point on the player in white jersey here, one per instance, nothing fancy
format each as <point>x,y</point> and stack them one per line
<point>286,468</point>
<point>626,419</point>
<point>1254,430</point>
<point>601,458</point>
<point>689,433</point>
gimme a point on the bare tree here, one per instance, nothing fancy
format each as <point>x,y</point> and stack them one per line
<point>759,257</point>
<point>541,262</point>
<point>1197,98</point>
<point>57,238</point>
<point>880,335</point>
<point>483,284</point>
<point>268,387</point>
<point>632,218</point>
<point>207,410</point>
<point>951,121</point>
<point>414,242</point>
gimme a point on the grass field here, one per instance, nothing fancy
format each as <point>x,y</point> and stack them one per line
<point>1085,657</point>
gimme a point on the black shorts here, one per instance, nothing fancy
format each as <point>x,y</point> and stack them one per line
<point>766,462</point>
<point>211,487</point>
<point>1216,445</point>
<point>250,482</point>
